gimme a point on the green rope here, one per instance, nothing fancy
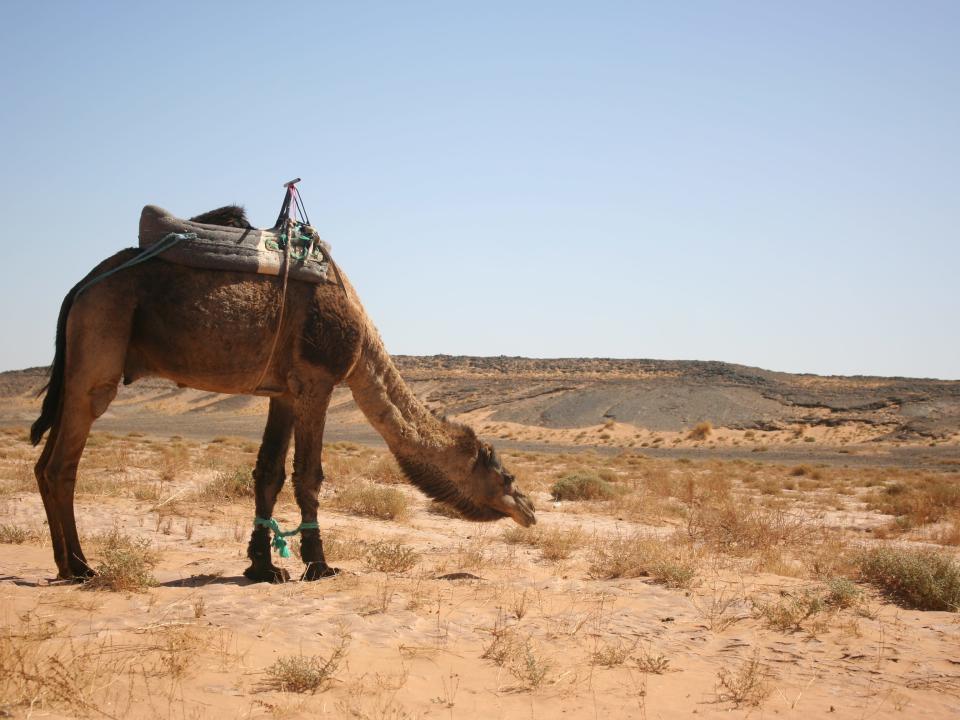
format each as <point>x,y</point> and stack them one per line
<point>278,535</point>
<point>168,241</point>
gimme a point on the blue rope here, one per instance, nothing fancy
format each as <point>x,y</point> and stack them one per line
<point>158,247</point>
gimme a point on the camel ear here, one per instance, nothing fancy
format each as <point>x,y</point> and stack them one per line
<point>485,454</point>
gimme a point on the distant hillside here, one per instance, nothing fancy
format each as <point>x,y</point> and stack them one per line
<point>566,393</point>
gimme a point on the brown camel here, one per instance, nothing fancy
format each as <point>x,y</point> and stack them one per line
<point>213,330</point>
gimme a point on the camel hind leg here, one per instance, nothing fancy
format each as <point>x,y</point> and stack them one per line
<point>96,348</point>
<point>50,506</point>
<point>311,412</point>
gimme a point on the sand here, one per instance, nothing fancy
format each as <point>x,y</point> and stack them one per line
<point>201,642</point>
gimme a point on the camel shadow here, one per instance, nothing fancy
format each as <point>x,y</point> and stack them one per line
<point>202,580</point>
<point>194,581</point>
<point>34,582</point>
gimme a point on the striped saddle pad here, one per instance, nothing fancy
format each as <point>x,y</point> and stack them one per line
<point>215,247</point>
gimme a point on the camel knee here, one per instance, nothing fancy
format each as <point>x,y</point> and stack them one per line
<point>101,396</point>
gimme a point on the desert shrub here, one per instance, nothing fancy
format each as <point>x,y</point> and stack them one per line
<point>306,673</point>
<point>651,662</point>
<point>126,563</point>
<point>518,655</point>
<point>612,653</point>
<point>639,555</point>
<point>789,613</point>
<point>805,470</point>
<point>232,484</point>
<point>748,685</point>
<point>700,431</point>
<point>386,503</point>
<point>391,557</point>
<point>917,578</point>
<point>582,485</point>
<point>841,593</point>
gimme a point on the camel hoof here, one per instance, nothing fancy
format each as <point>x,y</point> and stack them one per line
<point>270,574</point>
<point>77,575</point>
<point>319,571</point>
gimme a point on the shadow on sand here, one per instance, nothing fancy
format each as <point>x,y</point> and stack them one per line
<point>203,580</point>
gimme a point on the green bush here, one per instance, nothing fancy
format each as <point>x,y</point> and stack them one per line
<point>916,578</point>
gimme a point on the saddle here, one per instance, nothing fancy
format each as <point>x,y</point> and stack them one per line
<point>216,247</point>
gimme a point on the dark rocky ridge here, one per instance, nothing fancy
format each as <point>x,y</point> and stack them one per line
<point>577,392</point>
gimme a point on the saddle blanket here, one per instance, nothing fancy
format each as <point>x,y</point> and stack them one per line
<point>238,249</point>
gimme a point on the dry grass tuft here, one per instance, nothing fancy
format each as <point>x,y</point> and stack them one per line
<point>739,527</point>
<point>639,555</point>
<point>307,673</point>
<point>386,470</point>
<point>553,543</point>
<point>48,675</point>
<point>126,563</point>
<point>559,544</point>
<point>391,557</point>
<point>927,499</point>
<point>342,546</point>
<point>234,483</point>
<point>612,653</point>
<point>174,460</point>
<point>385,503</point>
<point>700,431</point>
<point>16,535</point>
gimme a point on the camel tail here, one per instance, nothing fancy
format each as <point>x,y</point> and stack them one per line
<point>50,410</point>
<point>52,401</point>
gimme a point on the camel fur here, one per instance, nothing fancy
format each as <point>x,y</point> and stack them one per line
<point>213,330</point>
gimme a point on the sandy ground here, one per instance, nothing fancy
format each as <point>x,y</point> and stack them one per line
<point>418,644</point>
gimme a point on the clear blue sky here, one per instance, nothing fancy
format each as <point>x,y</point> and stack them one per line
<point>769,183</point>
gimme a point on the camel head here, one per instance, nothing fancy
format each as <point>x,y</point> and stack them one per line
<point>474,482</point>
<point>496,490</point>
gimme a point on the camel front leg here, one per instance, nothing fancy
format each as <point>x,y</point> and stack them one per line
<point>308,477</point>
<point>268,476</point>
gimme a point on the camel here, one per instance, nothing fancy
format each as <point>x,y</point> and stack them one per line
<point>214,330</point>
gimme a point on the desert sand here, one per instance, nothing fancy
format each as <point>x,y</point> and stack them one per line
<point>705,577</point>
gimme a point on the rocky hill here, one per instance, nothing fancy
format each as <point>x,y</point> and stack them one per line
<point>656,395</point>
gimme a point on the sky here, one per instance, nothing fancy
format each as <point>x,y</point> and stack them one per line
<point>769,183</point>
